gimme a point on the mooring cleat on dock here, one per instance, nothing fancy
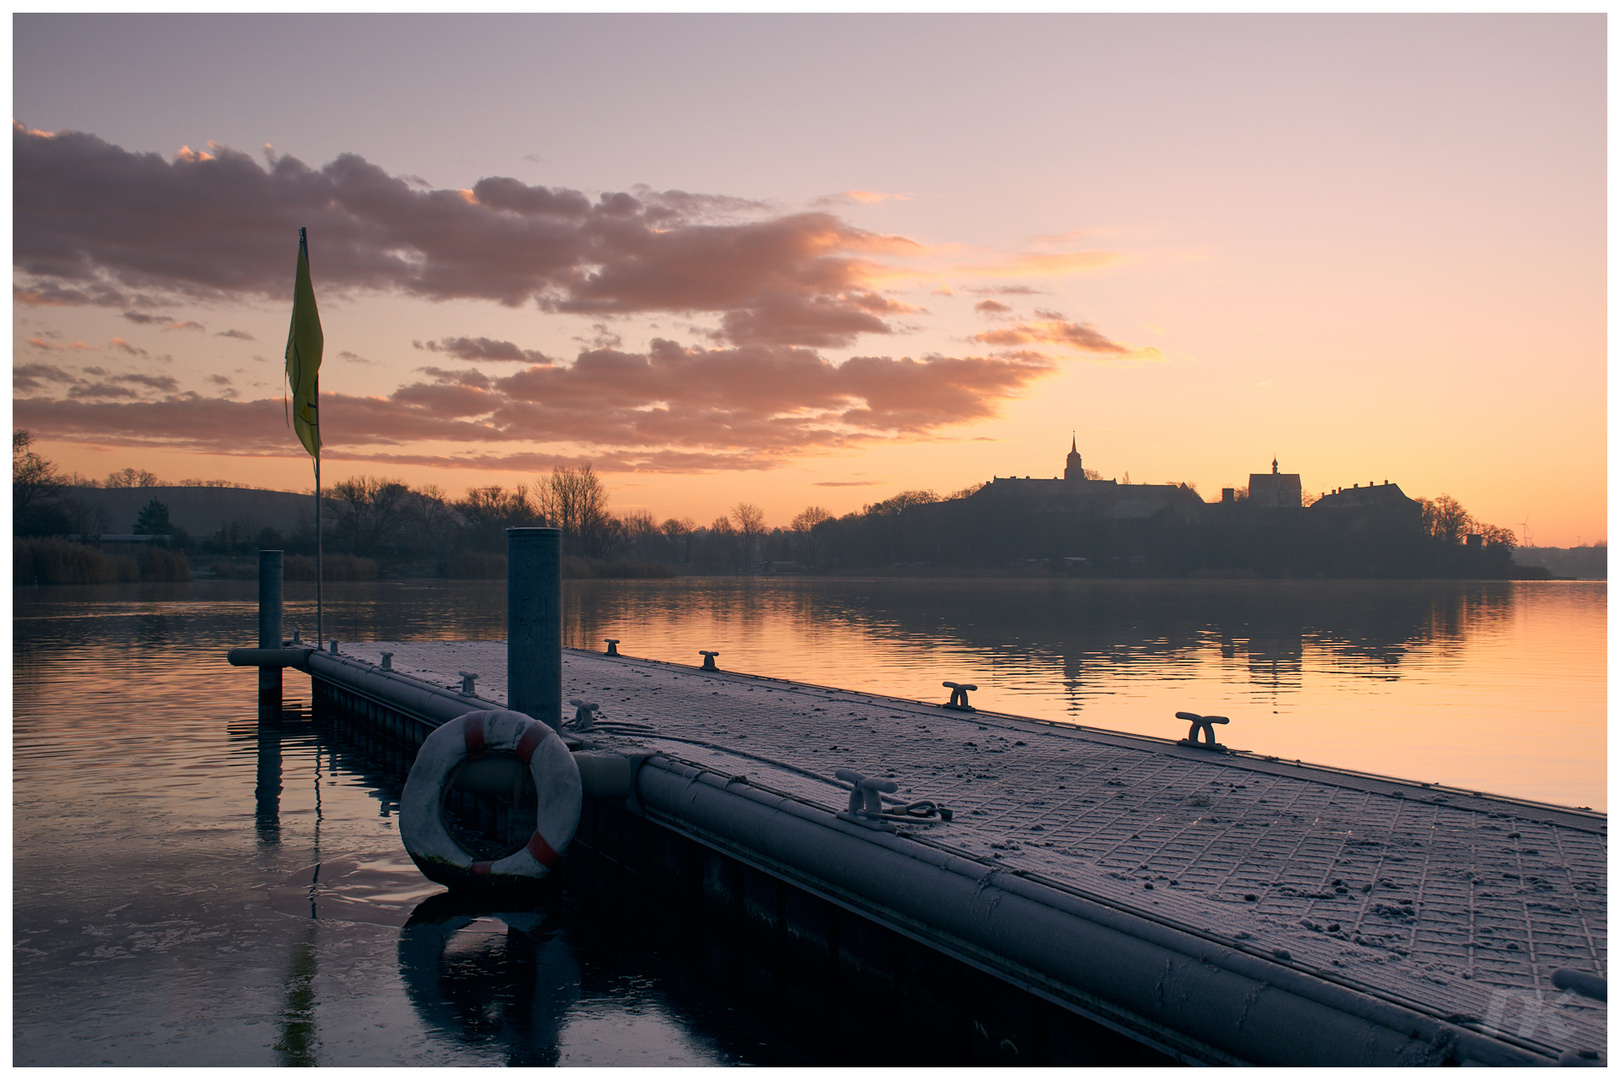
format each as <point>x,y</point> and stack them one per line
<point>468,678</point>
<point>583,710</point>
<point>1204,725</point>
<point>1584,983</point>
<point>959,700</point>
<point>865,800</point>
<point>708,659</point>
<point>388,661</point>
<point>1592,1059</point>
<point>612,646</point>
<point>866,804</point>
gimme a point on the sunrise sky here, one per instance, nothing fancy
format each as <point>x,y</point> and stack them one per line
<point>823,259</point>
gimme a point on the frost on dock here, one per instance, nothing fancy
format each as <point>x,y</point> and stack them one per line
<point>1456,904</point>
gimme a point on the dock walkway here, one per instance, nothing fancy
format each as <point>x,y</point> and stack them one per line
<point>1458,905</point>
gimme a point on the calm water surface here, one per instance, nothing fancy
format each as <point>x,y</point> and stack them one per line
<point>165,909</point>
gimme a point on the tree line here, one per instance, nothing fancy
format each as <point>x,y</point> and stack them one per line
<point>424,531</point>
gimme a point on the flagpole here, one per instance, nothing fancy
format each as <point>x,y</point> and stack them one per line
<point>320,639</point>
<point>304,345</point>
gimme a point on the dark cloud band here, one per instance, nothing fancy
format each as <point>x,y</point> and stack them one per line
<point>94,223</point>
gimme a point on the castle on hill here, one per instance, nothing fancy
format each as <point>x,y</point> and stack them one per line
<point>1077,494</point>
<point>1085,525</point>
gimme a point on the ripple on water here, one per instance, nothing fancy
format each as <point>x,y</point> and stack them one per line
<point>384,889</point>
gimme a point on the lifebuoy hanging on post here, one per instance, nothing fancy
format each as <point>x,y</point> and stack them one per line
<point>556,784</point>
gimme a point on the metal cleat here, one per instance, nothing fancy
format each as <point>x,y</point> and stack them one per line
<point>388,661</point>
<point>959,699</point>
<point>864,798</point>
<point>708,659</point>
<point>583,720</point>
<point>1202,724</point>
<point>467,680</point>
<point>866,804</point>
<point>612,646</point>
<point>334,646</point>
<point>1584,983</point>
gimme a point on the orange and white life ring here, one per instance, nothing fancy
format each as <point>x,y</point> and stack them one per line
<point>556,784</point>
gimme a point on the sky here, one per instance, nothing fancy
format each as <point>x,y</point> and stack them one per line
<point>819,260</point>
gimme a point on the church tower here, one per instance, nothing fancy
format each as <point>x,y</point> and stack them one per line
<point>1071,465</point>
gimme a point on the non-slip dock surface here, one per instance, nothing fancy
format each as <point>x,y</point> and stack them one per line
<point>1457,904</point>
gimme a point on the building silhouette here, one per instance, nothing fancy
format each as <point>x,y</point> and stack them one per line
<point>1275,488</point>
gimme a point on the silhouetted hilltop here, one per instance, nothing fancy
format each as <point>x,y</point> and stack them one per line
<point>1589,563</point>
<point>203,512</point>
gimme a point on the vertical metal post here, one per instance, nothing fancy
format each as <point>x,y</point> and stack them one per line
<point>534,623</point>
<point>270,622</point>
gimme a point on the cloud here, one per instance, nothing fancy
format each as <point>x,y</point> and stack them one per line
<point>125,347</point>
<point>77,346</point>
<point>55,294</point>
<point>124,386</point>
<point>671,408</point>
<point>1051,328</point>
<point>239,335</point>
<point>483,348</point>
<point>991,307</point>
<point>93,219</point>
<point>846,483</point>
<point>861,198</point>
<point>143,319</point>
<point>351,357</point>
<point>186,324</point>
<point>31,377</point>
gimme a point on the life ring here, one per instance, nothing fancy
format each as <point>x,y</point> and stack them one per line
<point>556,784</point>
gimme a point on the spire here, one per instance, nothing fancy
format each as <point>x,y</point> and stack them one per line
<point>1071,466</point>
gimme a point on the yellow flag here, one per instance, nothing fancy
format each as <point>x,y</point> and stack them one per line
<point>304,342</point>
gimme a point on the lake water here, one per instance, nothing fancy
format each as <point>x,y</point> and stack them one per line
<point>164,908</point>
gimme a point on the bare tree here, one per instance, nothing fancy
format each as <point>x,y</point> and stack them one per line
<point>678,533</point>
<point>575,501</point>
<point>903,501</point>
<point>809,523</point>
<point>750,521</point>
<point>643,536</point>
<point>370,511</point>
<point>431,522</point>
<point>33,479</point>
<point>718,549</point>
<point>490,511</point>
<point>131,478</point>
<point>1445,519</point>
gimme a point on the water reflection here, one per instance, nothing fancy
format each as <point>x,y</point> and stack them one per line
<point>491,977</point>
<point>1088,634</point>
<point>267,778</point>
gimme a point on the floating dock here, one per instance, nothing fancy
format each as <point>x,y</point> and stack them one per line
<point>1216,907</point>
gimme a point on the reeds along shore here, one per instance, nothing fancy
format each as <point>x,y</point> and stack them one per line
<point>51,560</point>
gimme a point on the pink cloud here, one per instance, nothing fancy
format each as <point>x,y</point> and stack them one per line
<point>670,408</point>
<point>1051,328</point>
<point>93,220</point>
<point>49,346</point>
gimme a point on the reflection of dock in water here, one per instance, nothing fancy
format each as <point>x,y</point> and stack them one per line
<point>1219,908</point>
